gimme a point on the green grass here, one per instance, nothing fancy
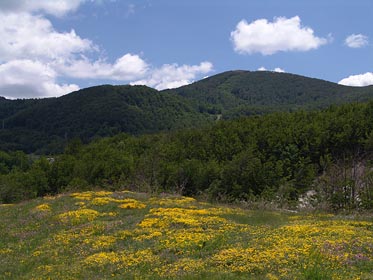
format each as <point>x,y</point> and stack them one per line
<point>125,235</point>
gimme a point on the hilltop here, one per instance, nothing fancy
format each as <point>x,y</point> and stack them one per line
<point>237,93</point>
<point>46,125</point>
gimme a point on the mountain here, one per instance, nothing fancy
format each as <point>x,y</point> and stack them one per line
<point>237,93</point>
<point>90,113</point>
<point>45,125</point>
<point>10,107</point>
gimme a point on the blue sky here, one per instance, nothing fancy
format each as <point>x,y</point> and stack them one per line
<point>53,47</point>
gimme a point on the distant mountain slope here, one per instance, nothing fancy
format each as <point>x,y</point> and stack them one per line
<point>45,125</point>
<point>94,112</point>
<point>11,107</point>
<point>236,93</point>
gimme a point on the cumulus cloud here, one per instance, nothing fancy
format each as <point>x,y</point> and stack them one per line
<point>358,80</point>
<point>173,75</point>
<point>356,41</point>
<point>24,35</point>
<point>34,56</point>
<point>131,67</point>
<point>53,7</point>
<point>30,48</point>
<point>277,69</point>
<point>128,67</point>
<point>26,79</point>
<point>267,38</point>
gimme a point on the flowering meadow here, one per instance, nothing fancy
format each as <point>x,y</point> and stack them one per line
<point>127,235</point>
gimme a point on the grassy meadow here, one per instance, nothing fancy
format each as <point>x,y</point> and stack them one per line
<point>127,235</point>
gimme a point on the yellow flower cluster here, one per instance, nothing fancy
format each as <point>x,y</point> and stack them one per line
<point>65,238</point>
<point>181,267</point>
<point>78,216</point>
<point>141,235</point>
<point>109,214</point>
<point>80,204</point>
<point>280,248</point>
<point>172,237</point>
<point>36,253</point>
<point>174,201</point>
<point>90,194</point>
<point>45,207</point>
<point>124,259</point>
<point>5,251</point>
<point>250,259</point>
<point>130,203</point>
<point>83,234</point>
<point>102,198</point>
<point>165,217</point>
<point>102,258</point>
<point>123,234</point>
<point>101,242</point>
<point>187,239</point>
<point>101,201</point>
<point>183,230</point>
<point>82,196</point>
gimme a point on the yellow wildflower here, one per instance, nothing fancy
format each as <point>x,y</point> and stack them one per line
<point>130,203</point>
<point>43,208</point>
<point>101,242</point>
<point>78,216</point>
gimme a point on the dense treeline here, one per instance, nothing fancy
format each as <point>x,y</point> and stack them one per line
<point>276,157</point>
<point>44,126</point>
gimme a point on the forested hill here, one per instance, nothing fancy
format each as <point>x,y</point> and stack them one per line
<point>237,93</point>
<point>275,158</point>
<point>46,125</point>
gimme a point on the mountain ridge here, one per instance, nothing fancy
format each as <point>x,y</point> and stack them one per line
<point>46,125</point>
<point>290,91</point>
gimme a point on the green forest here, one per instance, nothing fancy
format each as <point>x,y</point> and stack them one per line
<point>275,158</point>
<point>45,126</point>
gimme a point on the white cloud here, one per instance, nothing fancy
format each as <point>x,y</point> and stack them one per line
<point>128,67</point>
<point>53,7</point>
<point>131,67</point>
<point>356,41</point>
<point>26,79</point>
<point>26,36</point>
<point>358,80</point>
<point>277,69</point>
<point>30,48</point>
<point>34,56</point>
<point>267,38</point>
<point>173,75</point>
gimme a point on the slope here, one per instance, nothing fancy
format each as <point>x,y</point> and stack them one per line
<point>94,112</point>
<point>128,235</point>
<point>237,93</point>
